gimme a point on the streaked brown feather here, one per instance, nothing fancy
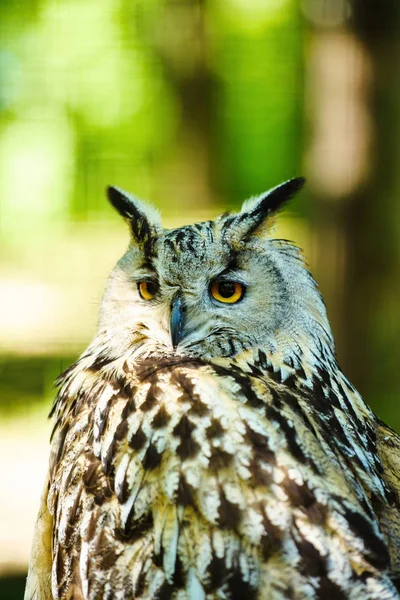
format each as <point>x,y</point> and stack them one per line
<point>241,465</point>
<point>238,487</point>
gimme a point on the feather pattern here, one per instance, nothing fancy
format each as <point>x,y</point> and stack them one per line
<point>231,467</point>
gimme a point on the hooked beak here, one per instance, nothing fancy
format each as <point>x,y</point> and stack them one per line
<point>177,321</point>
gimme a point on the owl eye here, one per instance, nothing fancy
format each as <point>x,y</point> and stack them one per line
<point>228,292</point>
<point>148,289</point>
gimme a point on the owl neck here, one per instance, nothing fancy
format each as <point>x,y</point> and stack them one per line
<point>300,337</point>
<point>301,346</point>
<point>288,356</point>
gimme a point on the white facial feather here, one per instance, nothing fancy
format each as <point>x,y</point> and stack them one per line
<point>281,309</point>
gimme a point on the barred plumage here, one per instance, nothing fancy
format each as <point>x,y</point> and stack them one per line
<point>240,463</point>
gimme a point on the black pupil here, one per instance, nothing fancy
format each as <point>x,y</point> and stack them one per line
<point>226,289</point>
<point>152,287</point>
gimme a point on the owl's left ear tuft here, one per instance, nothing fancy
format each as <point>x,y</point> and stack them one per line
<point>268,203</point>
<point>256,210</point>
<point>144,220</point>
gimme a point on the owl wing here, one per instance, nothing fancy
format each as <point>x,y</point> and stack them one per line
<point>38,585</point>
<point>388,447</point>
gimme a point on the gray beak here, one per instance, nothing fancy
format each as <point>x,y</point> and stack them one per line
<point>177,321</point>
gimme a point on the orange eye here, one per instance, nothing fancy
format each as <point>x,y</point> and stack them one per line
<point>228,292</point>
<point>147,289</point>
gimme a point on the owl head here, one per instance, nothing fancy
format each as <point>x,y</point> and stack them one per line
<point>212,289</point>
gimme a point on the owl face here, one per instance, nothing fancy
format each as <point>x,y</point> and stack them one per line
<point>211,289</point>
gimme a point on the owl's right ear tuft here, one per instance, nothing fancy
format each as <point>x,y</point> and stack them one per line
<point>121,201</point>
<point>131,207</point>
<point>144,220</point>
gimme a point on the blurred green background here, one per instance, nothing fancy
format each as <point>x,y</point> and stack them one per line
<point>194,106</point>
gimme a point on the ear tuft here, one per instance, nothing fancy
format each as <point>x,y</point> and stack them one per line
<point>268,203</point>
<point>131,207</point>
<point>121,201</point>
<point>256,211</point>
<point>144,220</point>
<point>281,194</point>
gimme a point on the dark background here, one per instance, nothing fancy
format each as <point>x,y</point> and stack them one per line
<point>194,106</point>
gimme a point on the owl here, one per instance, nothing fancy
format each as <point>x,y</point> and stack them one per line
<point>207,445</point>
